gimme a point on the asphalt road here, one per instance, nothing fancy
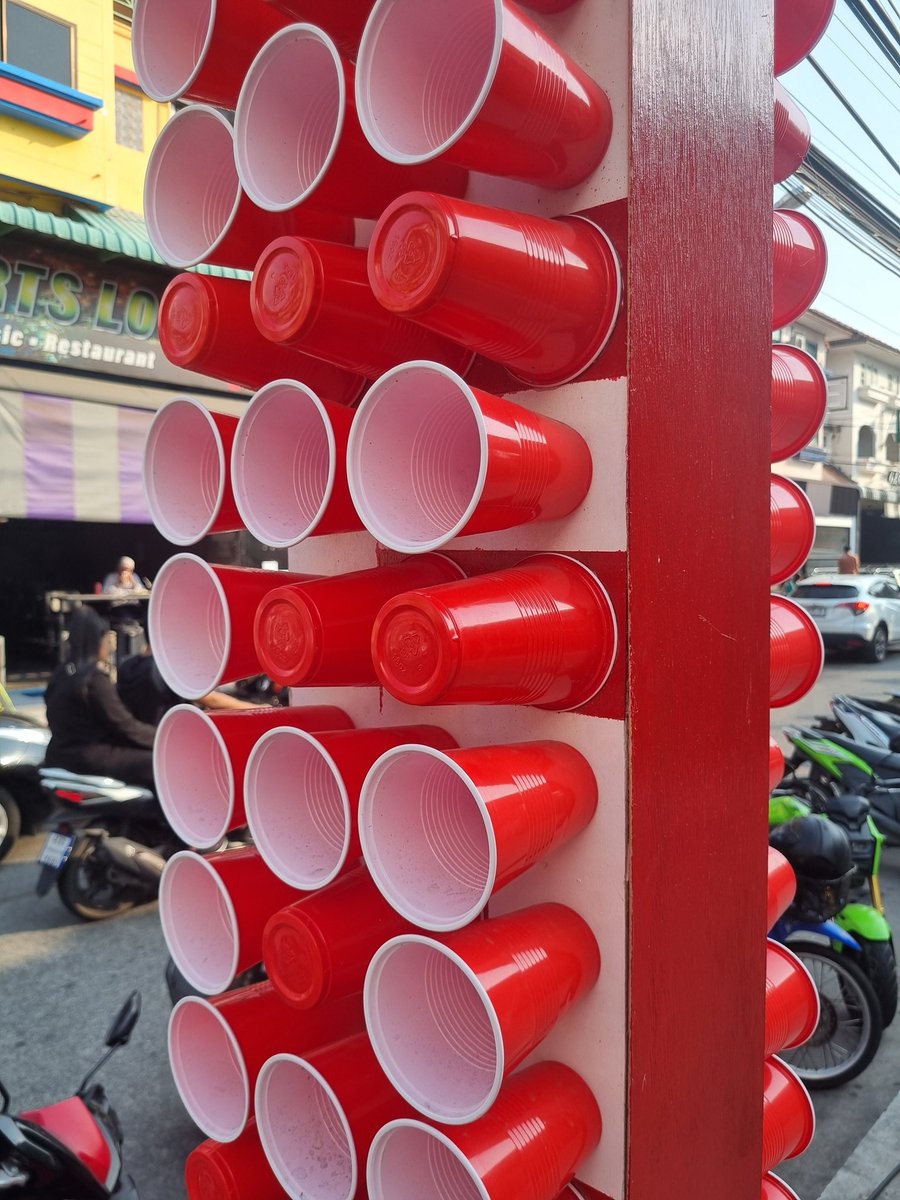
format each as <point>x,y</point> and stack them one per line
<point>61,982</point>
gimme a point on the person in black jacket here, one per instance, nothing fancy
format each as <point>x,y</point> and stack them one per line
<point>92,731</point>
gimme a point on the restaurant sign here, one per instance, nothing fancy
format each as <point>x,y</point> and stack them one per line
<point>70,310</point>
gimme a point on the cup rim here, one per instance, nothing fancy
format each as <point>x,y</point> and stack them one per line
<point>137,42</point>
<point>372,1017</point>
<point>170,811</point>
<point>227,904</point>
<point>373,859</point>
<point>430,1131</point>
<point>237,1055</point>
<point>370,129</point>
<point>162,523</point>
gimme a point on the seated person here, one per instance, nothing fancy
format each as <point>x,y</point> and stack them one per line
<point>92,732</point>
<point>124,581</point>
<point>148,697</point>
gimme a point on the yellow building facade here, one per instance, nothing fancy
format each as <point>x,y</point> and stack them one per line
<point>74,125</point>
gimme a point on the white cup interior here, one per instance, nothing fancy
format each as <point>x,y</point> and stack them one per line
<point>283,463</point>
<point>198,922</point>
<point>194,778</point>
<point>433,1029</point>
<point>184,471</point>
<point>417,457</point>
<point>304,1131</point>
<point>426,838</point>
<point>297,808</point>
<point>208,1068</point>
<point>170,40</point>
<point>289,117</point>
<point>409,1160</point>
<point>190,626</point>
<point>423,72</point>
<point>191,190</point>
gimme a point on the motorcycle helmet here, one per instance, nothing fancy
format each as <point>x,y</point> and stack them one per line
<point>819,851</point>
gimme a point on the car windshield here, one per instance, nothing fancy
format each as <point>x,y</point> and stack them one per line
<point>825,591</point>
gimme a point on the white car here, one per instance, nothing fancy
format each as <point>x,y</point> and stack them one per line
<point>853,612</point>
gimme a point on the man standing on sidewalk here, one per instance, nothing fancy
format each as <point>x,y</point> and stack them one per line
<point>848,563</point>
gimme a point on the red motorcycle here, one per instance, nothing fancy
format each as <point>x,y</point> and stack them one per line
<point>71,1150</point>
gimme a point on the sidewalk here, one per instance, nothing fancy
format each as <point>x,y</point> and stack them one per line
<point>871,1162</point>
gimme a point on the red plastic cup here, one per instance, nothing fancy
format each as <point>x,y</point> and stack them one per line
<point>205,325</point>
<point>317,1117</point>
<point>581,1191</point>
<point>449,1019</point>
<point>781,887</point>
<point>297,137</point>
<point>796,652</point>
<point>798,26</point>
<point>186,477</point>
<point>540,296</point>
<point>198,49</point>
<point>776,764</point>
<point>541,633</point>
<point>301,793</point>
<point>792,135</point>
<point>315,296</point>
<point>799,397</point>
<point>231,1170</point>
<point>430,458</point>
<point>799,263</point>
<point>792,1001</point>
<point>789,1121</point>
<point>543,1125</point>
<point>344,22</point>
<point>318,949</point>
<point>792,528</point>
<point>213,910</point>
<point>201,622</point>
<point>774,1188</point>
<point>549,6</point>
<point>480,84</point>
<point>442,832</point>
<point>218,1047</point>
<point>195,208</point>
<point>288,465</point>
<point>199,760</point>
<point>319,634</point>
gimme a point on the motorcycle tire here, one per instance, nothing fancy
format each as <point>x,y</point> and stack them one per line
<point>84,888</point>
<point>848,1034</point>
<point>880,965</point>
<point>10,823</point>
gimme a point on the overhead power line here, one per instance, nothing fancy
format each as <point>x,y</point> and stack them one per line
<point>875,31</point>
<point>852,111</point>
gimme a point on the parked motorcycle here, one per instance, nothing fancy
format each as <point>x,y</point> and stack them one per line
<point>850,1025</point>
<point>109,845</point>
<point>859,930</point>
<point>71,1149</point>
<point>23,805</point>
<point>826,763</point>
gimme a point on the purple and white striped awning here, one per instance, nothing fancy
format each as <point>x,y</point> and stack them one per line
<point>71,460</point>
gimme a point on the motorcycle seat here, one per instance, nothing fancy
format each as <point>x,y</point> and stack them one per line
<point>875,756</point>
<point>848,806</point>
<point>56,777</point>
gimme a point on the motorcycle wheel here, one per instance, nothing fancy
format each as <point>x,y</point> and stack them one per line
<point>85,888</point>
<point>849,1030</point>
<point>880,965</point>
<point>10,823</point>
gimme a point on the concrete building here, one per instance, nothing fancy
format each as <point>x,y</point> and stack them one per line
<point>851,471</point>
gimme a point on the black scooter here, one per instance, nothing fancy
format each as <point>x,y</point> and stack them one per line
<point>71,1150</point>
<point>109,844</point>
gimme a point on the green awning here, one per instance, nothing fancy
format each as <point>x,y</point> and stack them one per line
<point>115,233</point>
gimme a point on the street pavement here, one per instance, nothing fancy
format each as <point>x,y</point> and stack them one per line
<point>62,980</point>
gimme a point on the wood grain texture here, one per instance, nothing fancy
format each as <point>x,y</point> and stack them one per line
<point>698,525</point>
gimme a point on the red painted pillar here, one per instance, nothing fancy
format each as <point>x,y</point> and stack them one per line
<point>699,378</point>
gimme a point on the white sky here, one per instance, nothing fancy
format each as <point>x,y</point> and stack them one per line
<point>857,290</point>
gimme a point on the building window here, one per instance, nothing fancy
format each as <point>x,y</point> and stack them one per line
<point>812,348</point>
<point>891,448</point>
<point>37,43</point>
<point>129,119</point>
<point>865,444</point>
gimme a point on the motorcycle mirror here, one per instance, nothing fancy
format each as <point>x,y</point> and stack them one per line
<point>4,1096</point>
<point>123,1025</point>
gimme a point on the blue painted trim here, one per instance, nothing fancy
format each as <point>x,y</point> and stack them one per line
<point>32,187</point>
<point>50,86</point>
<point>38,118</point>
